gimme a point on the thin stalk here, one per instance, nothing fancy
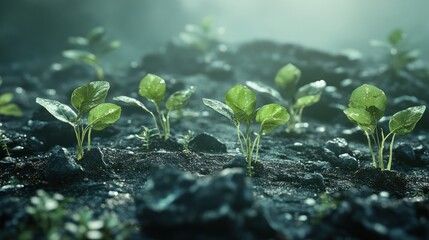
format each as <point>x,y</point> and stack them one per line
<point>239,133</point>
<point>89,139</point>
<point>156,123</point>
<point>167,124</point>
<point>374,162</point>
<point>380,151</point>
<point>161,120</point>
<point>389,165</point>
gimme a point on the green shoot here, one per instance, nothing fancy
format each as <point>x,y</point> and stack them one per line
<point>240,110</point>
<point>366,107</point>
<point>287,79</point>
<point>87,100</point>
<point>153,89</point>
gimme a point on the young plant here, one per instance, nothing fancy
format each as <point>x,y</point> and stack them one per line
<point>366,107</point>
<point>87,100</point>
<point>7,108</point>
<point>90,49</point>
<point>202,37</point>
<point>398,53</point>
<point>153,89</point>
<point>240,110</point>
<point>287,79</point>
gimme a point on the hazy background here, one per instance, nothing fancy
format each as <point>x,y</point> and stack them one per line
<point>30,29</point>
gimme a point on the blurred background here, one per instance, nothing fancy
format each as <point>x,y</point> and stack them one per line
<point>33,28</point>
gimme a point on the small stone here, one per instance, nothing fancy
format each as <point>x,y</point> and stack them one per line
<point>62,167</point>
<point>338,146</point>
<point>314,180</point>
<point>405,153</point>
<point>205,142</point>
<point>346,162</point>
<point>93,163</point>
<point>237,162</point>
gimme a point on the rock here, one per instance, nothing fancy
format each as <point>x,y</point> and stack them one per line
<point>405,153</point>
<point>338,146</point>
<point>314,180</point>
<point>205,142</point>
<point>62,167</point>
<point>329,156</point>
<point>237,162</point>
<point>346,162</point>
<point>94,165</point>
<point>53,133</point>
<point>177,205</point>
<point>372,216</point>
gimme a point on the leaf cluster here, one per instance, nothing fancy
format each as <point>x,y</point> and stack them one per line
<point>287,79</point>
<point>92,113</point>
<point>153,88</point>
<point>367,106</point>
<point>240,109</point>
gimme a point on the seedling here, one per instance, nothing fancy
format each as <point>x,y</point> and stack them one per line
<point>399,54</point>
<point>153,89</point>
<point>7,108</point>
<point>366,107</point>
<point>185,139</point>
<point>90,49</point>
<point>240,110</point>
<point>87,100</point>
<point>202,37</point>
<point>287,79</point>
<point>146,136</point>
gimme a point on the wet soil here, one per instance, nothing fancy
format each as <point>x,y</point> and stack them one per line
<point>292,176</point>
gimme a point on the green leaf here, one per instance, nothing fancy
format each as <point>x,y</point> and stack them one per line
<point>90,95</point>
<point>6,98</point>
<point>362,118</point>
<point>370,99</point>
<point>179,99</point>
<point>288,76</point>
<point>104,115</point>
<point>11,109</point>
<point>131,101</point>
<point>242,101</point>
<point>262,88</point>
<point>153,88</point>
<point>80,56</point>
<point>396,37</point>
<point>60,111</point>
<point>403,122</point>
<point>96,35</point>
<point>220,108</point>
<point>309,94</point>
<point>271,116</point>
<point>78,41</point>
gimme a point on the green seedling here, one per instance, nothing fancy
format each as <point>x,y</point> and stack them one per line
<point>240,110</point>
<point>366,107</point>
<point>398,53</point>
<point>90,49</point>
<point>202,37</point>
<point>287,79</point>
<point>7,108</point>
<point>153,88</point>
<point>185,139</point>
<point>92,112</point>
<point>146,136</point>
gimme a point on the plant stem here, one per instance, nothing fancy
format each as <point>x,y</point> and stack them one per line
<point>389,165</point>
<point>374,162</point>
<point>380,151</point>
<point>89,139</point>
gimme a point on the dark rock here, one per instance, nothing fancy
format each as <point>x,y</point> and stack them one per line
<point>205,142</point>
<point>177,205</point>
<point>314,180</point>
<point>94,165</point>
<point>373,217</point>
<point>405,153</point>
<point>237,162</point>
<point>346,162</point>
<point>62,167</point>
<point>338,146</point>
<point>329,156</point>
<point>53,133</point>
<point>168,145</point>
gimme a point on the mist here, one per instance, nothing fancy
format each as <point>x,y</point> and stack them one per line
<point>30,28</point>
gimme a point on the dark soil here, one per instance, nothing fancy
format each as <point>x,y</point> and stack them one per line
<point>299,181</point>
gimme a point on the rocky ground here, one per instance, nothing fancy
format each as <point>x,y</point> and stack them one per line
<point>315,185</point>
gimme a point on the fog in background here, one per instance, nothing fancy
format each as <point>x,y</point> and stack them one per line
<point>34,28</point>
